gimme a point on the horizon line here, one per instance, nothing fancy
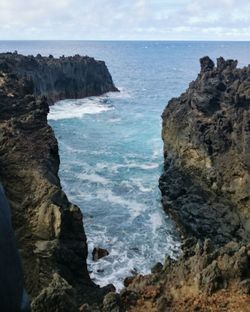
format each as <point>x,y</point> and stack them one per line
<point>132,40</point>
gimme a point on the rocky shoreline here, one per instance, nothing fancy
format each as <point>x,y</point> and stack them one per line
<point>49,229</point>
<point>205,187</point>
<point>206,134</point>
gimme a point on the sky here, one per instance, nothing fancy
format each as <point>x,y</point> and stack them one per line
<point>125,19</point>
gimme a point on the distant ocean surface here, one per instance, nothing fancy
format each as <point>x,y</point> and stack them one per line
<point>111,148</point>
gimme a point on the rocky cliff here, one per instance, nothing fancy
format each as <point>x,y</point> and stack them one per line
<point>206,134</point>
<point>60,78</point>
<point>49,229</point>
<point>206,188</point>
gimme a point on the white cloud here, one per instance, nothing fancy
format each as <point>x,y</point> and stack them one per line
<point>29,11</point>
<point>120,19</point>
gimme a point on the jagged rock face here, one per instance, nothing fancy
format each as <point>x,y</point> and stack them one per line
<point>66,77</point>
<point>206,134</point>
<point>204,279</point>
<point>48,227</point>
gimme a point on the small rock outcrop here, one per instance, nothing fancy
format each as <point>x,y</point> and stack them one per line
<point>99,253</point>
<point>49,229</point>
<point>206,134</point>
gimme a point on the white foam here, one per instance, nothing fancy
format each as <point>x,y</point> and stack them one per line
<point>134,207</point>
<point>69,109</point>
<point>149,166</point>
<point>116,267</point>
<point>87,197</point>
<point>93,178</point>
<point>65,146</point>
<point>156,221</point>
<point>157,153</point>
<point>123,94</point>
<point>129,165</point>
<point>139,183</point>
<point>114,120</point>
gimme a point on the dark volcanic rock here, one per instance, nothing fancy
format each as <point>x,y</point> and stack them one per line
<point>49,229</point>
<point>66,77</point>
<point>58,296</point>
<point>111,303</point>
<point>206,134</point>
<point>99,253</point>
<point>204,276</point>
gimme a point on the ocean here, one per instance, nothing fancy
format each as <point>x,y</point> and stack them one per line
<point>111,147</point>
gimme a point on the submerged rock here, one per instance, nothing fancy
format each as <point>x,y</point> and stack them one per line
<point>99,253</point>
<point>128,280</point>
<point>157,268</point>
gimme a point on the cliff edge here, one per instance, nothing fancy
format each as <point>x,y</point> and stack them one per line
<point>206,134</point>
<point>49,229</point>
<point>61,78</point>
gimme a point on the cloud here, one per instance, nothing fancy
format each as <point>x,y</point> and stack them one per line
<point>24,12</point>
<point>130,19</point>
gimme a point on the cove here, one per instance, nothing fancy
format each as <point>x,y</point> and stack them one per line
<point>111,160</point>
<point>112,153</point>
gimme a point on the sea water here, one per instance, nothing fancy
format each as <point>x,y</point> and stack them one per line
<point>111,147</point>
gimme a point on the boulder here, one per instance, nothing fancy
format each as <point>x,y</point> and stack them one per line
<point>99,253</point>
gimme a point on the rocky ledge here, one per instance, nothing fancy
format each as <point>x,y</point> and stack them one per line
<point>49,229</point>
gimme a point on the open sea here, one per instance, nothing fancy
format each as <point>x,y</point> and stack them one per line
<point>111,148</point>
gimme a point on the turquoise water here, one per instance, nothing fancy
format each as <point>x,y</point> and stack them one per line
<point>111,148</point>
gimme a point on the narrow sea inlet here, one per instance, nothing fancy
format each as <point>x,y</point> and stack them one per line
<point>111,147</point>
<point>110,165</point>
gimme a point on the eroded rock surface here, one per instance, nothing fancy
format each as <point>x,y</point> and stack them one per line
<point>205,278</point>
<point>206,134</point>
<point>49,229</point>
